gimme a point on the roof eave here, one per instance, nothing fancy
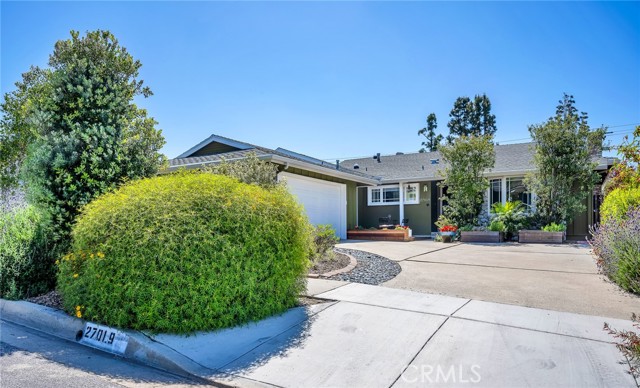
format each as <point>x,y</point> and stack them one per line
<point>230,142</point>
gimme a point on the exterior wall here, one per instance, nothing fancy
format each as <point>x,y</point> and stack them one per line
<point>420,215</point>
<point>368,215</point>
<point>214,148</point>
<point>351,191</point>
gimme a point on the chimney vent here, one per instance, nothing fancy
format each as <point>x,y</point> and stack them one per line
<point>356,166</point>
<point>435,161</point>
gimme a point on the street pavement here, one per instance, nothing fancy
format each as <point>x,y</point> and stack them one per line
<point>32,359</point>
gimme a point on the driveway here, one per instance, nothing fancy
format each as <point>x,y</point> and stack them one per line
<point>555,277</point>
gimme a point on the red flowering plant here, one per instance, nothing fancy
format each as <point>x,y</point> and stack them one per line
<point>449,228</point>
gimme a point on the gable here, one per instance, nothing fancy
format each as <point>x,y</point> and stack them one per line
<point>214,148</point>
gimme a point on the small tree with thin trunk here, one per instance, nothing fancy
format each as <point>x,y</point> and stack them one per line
<point>563,156</point>
<point>467,159</point>
<point>433,140</point>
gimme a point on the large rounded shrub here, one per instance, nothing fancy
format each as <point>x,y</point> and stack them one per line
<point>186,252</point>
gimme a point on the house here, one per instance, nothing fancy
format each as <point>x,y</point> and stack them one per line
<point>402,187</point>
<point>327,191</point>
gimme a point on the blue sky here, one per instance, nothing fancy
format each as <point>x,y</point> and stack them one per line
<point>347,79</point>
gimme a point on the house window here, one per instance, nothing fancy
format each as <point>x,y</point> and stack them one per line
<point>412,193</point>
<point>390,195</point>
<point>495,191</point>
<point>516,191</point>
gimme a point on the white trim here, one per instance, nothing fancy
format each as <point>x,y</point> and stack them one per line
<point>401,195</point>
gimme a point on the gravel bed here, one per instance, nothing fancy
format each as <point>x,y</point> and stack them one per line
<point>51,299</point>
<point>371,269</point>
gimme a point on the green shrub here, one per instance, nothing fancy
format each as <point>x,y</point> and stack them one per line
<point>324,238</point>
<point>186,252</point>
<point>496,226</point>
<point>618,202</point>
<point>512,215</point>
<point>26,262</point>
<point>553,227</point>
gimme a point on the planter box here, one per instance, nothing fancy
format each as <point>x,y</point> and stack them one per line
<point>481,236</point>
<point>539,236</point>
<point>380,235</point>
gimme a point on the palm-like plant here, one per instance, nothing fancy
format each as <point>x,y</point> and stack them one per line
<point>513,216</point>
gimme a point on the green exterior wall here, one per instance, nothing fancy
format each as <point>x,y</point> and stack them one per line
<point>351,190</point>
<point>420,215</point>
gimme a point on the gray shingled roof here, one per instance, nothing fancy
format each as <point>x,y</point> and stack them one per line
<point>509,158</point>
<point>265,153</point>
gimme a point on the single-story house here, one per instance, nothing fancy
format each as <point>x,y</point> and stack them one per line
<point>402,187</point>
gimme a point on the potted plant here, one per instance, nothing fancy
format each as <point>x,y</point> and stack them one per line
<point>551,233</point>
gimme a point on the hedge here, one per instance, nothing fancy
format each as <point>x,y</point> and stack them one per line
<point>186,252</point>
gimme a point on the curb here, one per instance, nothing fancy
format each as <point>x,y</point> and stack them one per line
<point>140,348</point>
<point>351,266</point>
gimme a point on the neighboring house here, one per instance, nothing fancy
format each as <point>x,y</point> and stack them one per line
<point>403,187</point>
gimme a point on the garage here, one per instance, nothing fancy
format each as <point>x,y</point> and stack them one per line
<point>325,202</point>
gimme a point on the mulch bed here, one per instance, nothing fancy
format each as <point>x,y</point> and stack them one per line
<point>51,299</point>
<point>327,265</point>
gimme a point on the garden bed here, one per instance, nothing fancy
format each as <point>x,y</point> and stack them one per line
<point>379,235</point>
<point>540,236</point>
<point>328,265</point>
<point>481,236</point>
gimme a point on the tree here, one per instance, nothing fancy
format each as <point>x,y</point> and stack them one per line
<point>565,170</point>
<point>625,174</point>
<point>90,136</point>
<point>429,132</point>
<point>467,159</point>
<point>471,118</point>
<point>20,109</point>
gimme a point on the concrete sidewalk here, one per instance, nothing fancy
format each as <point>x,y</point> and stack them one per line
<point>371,336</point>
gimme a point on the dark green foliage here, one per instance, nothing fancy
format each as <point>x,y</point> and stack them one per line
<point>186,252</point>
<point>565,176</point>
<point>26,257</point>
<point>79,128</point>
<point>251,170</point>
<point>467,159</point>
<point>429,132</point>
<point>471,118</point>
<point>324,239</point>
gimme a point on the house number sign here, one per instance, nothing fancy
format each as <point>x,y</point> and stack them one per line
<point>104,338</point>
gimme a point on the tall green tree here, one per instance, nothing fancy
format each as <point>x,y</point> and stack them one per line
<point>432,140</point>
<point>91,137</point>
<point>471,118</point>
<point>466,159</point>
<point>565,147</point>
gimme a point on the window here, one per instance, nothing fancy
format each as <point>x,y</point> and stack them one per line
<point>390,195</point>
<point>412,193</point>
<point>495,191</point>
<point>516,191</point>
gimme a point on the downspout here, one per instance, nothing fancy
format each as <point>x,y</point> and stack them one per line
<point>401,203</point>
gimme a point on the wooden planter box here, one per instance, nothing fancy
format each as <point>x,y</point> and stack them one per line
<point>380,235</point>
<point>481,236</point>
<point>540,236</point>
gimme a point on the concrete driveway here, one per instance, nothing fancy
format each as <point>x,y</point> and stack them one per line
<point>555,277</point>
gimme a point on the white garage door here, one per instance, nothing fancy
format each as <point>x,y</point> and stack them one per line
<point>325,202</point>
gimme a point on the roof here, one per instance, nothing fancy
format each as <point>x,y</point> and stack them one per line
<point>510,159</point>
<point>280,156</point>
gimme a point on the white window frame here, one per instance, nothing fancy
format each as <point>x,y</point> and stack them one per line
<point>402,192</point>
<point>504,192</point>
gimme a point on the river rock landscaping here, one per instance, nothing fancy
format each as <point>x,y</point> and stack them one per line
<point>371,269</point>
